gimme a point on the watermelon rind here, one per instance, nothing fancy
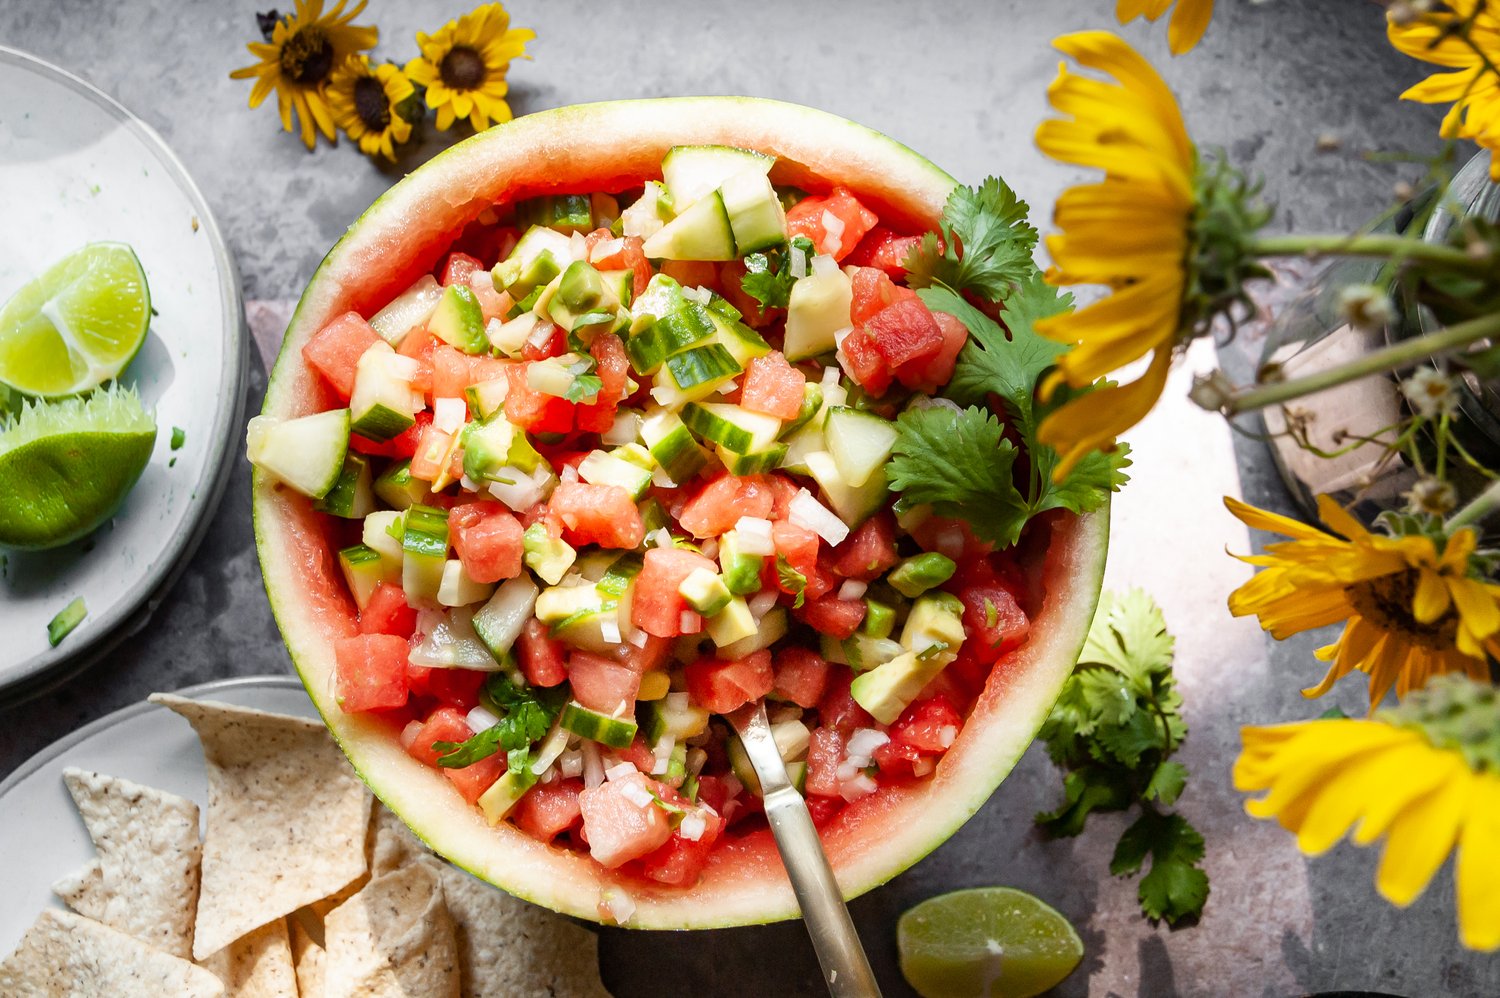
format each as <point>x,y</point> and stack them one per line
<point>610,146</point>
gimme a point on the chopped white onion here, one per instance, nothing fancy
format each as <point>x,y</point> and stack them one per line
<point>732,785</point>
<point>822,265</point>
<point>805,511</point>
<point>541,335</point>
<point>834,227</point>
<point>947,735</point>
<point>449,414</point>
<point>933,402</point>
<point>661,537</point>
<point>636,792</point>
<point>693,826</point>
<point>624,430</point>
<point>710,548</point>
<point>619,771</point>
<point>839,336</point>
<point>606,249</point>
<point>570,763</point>
<point>618,905</point>
<point>761,603</point>
<point>661,479</point>
<point>857,787</point>
<point>697,758</point>
<point>481,718</point>
<point>519,491</point>
<point>798,264</point>
<point>638,638</point>
<point>754,534</point>
<point>609,630</point>
<point>401,366</point>
<point>865,741</point>
<point>786,712</point>
<point>593,766</point>
<point>409,733</point>
<point>830,377</point>
<point>922,765</point>
<point>700,295</point>
<point>578,246</point>
<point>469,485</point>
<point>853,589</point>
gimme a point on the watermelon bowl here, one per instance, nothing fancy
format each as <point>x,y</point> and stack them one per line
<point>407,233</point>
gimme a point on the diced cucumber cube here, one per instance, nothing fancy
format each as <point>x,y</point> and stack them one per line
<point>672,445</point>
<point>383,403</point>
<point>485,398</point>
<point>616,732</point>
<point>510,337</point>
<point>458,589</point>
<point>351,496</point>
<point>733,623</point>
<point>459,321</point>
<point>705,592</point>
<point>741,571</point>
<point>363,570</point>
<point>752,464</point>
<point>860,442</point>
<point>731,426</point>
<point>853,505</point>
<point>755,214</point>
<point>919,573</point>
<point>549,557</point>
<point>381,533</point>
<point>649,213</point>
<point>817,308</point>
<point>500,621</point>
<point>691,172</point>
<point>563,212</point>
<point>673,716</point>
<point>505,793</point>
<point>407,311</point>
<point>701,232</point>
<point>812,404</point>
<point>539,256</point>
<point>699,371</point>
<point>306,453</point>
<point>397,488</point>
<point>601,468</point>
<point>743,343</point>
<point>424,549</point>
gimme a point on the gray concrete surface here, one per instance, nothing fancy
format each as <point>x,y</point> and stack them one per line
<point>964,83</point>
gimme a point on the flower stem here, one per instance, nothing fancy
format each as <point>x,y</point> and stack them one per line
<point>1392,358</point>
<point>1382,245</point>
<point>1478,508</point>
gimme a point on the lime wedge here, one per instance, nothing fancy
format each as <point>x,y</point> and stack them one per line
<point>996,942</point>
<point>65,466</point>
<point>76,326</point>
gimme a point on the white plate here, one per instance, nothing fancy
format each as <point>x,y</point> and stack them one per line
<point>78,168</point>
<point>41,836</point>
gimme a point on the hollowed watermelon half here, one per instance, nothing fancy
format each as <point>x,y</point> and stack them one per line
<point>615,146</point>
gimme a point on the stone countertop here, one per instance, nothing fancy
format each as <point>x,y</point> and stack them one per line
<point>965,84</point>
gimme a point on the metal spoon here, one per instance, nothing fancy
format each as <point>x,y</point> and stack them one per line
<point>845,967</point>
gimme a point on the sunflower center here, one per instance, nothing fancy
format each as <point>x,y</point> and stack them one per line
<point>371,104</point>
<point>462,68</point>
<point>307,56</point>
<point>1387,602</point>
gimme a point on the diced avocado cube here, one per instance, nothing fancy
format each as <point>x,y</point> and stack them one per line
<point>563,212</point>
<point>772,629</point>
<point>862,652</point>
<point>503,795</point>
<point>705,592</point>
<point>549,557</point>
<point>888,689</point>
<point>935,621</point>
<point>919,573</point>
<point>880,619</point>
<point>654,685</point>
<point>486,397</point>
<point>459,321</point>
<point>494,445</point>
<point>538,257</point>
<point>733,623</point>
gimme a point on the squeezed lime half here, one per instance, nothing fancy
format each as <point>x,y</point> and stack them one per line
<point>65,466</point>
<point>76,326</point>
<point>987,942</point>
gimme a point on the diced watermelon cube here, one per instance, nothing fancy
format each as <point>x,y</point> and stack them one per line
<point>541,655</point>
<point>631,256</point>
<point>824,809</point>
<point>602,684</point>
<point>612,366</point>
<point>994,622</point>
<point>618,828</point>
<point>473,780</point>
<point>864,363</point>
<point>838,709</point>
<point>453,687</point>
<point>933,372</point>
<point>549,809</point>
<point>807,218</point>
<point>459,268</point>
<point>887,250</point>
<point>487,538</point>
<point>773,386</point>
<point>656,606</point>
<point>721,503</point>
<point>371,672</point>
<point>721,686</point>
<point>874,291</point>
<point>692,273</point>
<point>799,547</point>
<point>904,332</point>
<point>598,514</point>
<point>535,411</point>
<point>830,615</point>
<point>868,552</point>
<point>801,676</point>
<point>553,346</point>
<point>388,613</point>
<point>418,345</point>
<point>446,724</point>
<point>825,751</point>
<point>680,861</point>
<point>925,730</point>
<point>492,304</point>
<point>334,350</point>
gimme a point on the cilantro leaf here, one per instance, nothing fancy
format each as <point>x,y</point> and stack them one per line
<point>1166,783</point>
<point>960,463</point>
<point>586,385</point>
<point>1084,791</point>
<point>526,716</point>
<point>791,581</point>
<point>989,223</point>
<point>768,277</point>
<point>1176,887</point>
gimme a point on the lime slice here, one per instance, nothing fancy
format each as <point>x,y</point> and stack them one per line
<point>989,941</point>
<point>76,326</point>
<point>65,466</point>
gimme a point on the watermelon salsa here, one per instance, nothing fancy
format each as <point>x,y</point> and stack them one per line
<point>608,473</point>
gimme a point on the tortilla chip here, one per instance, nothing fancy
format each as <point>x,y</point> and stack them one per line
<point>310,959</point>
<point>83,889</point>
<point>394,938</point>
<point>64,955</point>
<point>392,844</point>
<point>257,965</point>
<point>286,818</point>
<point>509,948</point>
<point>149,854</point>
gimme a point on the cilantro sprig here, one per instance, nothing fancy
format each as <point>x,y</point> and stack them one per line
<point>969,465</point>
<point>586,385</point>
<point>1114,729</point>
<point>526,715</point>
<point>791,580</point>
<point>768,276</point>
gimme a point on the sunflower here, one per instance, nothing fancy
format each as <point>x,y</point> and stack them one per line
<point>299,57</point>
<point>463,66</point>
<point>1462,35</point>
<point>1426,775</point>
<point>1413,606</point>
<point>1189,20</point>
<point>364,100</point>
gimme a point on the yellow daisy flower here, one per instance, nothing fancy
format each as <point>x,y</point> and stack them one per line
<point>298,60</point>
<point>1474,86</point>
<point>1188,23</point>
<point>1411,608</point>
<point>1424,776</point>
<point>463,66</point>
<point>364,99</point>
<point>1129,232</point>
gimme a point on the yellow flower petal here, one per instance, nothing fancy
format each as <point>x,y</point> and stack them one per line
<point>1189,22</point>
<point>1420,838</point>
<point>1091,422</point>
<point>1477,871</point>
